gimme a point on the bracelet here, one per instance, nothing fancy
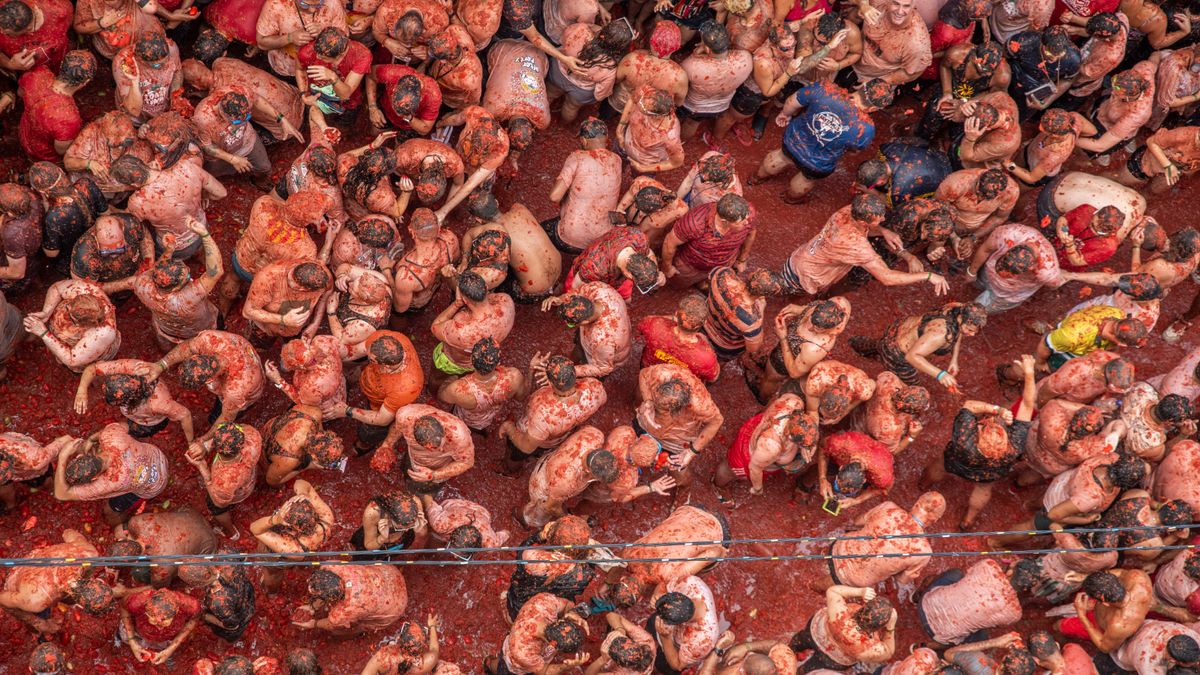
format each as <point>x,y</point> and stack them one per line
<point>928,276</point>
<point>940,375</point>
<point>349,411</point>
<point>161,363</point>
<point>278,117</point>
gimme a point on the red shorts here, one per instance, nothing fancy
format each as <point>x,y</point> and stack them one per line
<point>738,455</point>
<point>1072,627</point>
<point>1017,406</point>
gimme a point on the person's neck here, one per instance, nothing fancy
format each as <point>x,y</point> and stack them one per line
<point>682,334</point>
<point>486,379</point>
<point>60,87</point>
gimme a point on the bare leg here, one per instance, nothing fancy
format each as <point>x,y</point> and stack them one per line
<point>981,494</point>
<point>723,476</point>
<point>228,291</point>
<point>225,522</point>
<point>1029,477</point>
<point>683,485</point>
<point>8,497</point>
<point>1007,540</point>
<point>725,122</point>
<point>935,472</point>
<point>688,127</point>
<point>570,110</point>
<point>772,165</point>
<point>799,187</point>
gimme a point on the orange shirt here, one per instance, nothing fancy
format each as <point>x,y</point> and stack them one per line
<point>392,390</point>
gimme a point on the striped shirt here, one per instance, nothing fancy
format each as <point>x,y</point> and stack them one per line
<point>702,247</point>
<point>730,321</point>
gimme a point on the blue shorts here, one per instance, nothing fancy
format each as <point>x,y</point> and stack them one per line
<point>239,270</point>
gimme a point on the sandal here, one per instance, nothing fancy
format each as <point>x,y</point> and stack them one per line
<point>1175,331</point>
<point>743,135</point>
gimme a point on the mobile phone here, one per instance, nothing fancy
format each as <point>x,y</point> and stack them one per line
<point>835,509</point>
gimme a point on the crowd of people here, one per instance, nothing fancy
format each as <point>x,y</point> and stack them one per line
<point>1083,107</point>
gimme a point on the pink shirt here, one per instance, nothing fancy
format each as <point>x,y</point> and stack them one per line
<point>1145,651</point>
<point>983,598</point>
<point>1018,289</point>
<point>1079,486</point>
<point>697,637</point>
<point>1124,118</point>
<point>712,80</point>
<point>594,177</point>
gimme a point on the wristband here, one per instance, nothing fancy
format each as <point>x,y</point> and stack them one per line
<point>940,375</point>
<point>161,363</point>
<point>278,118</point>
<point>350,411</point>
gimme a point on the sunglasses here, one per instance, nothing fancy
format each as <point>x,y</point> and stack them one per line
<point>238,121</point>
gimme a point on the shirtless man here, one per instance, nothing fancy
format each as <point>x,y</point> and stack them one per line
<point>163,533</point>
<point>855,626</point>
<point>483,145</point>
<point>560,404</point>
<point>685,624</point>
<point>147,406</point>
<point>113,466</point>
<point>225,363</point>
<point>169,200</point>
<point>546,627</point>
<point>872,561</point>
<point>180,306</point>
<point>715,70</point>
<point>652,67</point>
<point>890,417</point>
<point>982,200</point>
<point>417,274</point>
<point>1072,189</point>
<point>31,593</point>
<point>473,315</point>
<point>282,96</point>
<point>316,367</point>
<point>25,460</point>
<point>678,411</point>
<point>77,323</point>
<point>704,533</point>
<point>1158,646</point>
<point>1087,378</point>
<point>565,473</point>
<point>354,599</point>
<point>1064,434</point>
<point>480,395</point>
<point>283,297</point>
<point>590,180</point>
<point>284,27</point>
<point>439,445</point>
<point>634,454</point>
<point>783,437</point>
<point>534,264</point>
<point>462,523</point>
<point>834,389</point>
<point>1119,600</point>
<point>896,45</point>
<point>605,333</point>
<point>230,479</point>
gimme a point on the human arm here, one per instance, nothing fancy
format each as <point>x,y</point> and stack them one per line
<point>1170,171</point>
<point>929,342</point>
<point>214,268</point>
<point>94,344</point>
<point>1070,246</point>
<point>478,176</point>
<point>1160,38</point>
<point>14,268</point>
<point>890,277</point>
<point>670,245</point>
<point>982,645</point>
<point>162,656</point>
<point>264,107</point>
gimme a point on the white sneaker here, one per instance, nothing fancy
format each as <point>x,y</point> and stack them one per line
<point>1174,332</point>
<point>1103,160</point>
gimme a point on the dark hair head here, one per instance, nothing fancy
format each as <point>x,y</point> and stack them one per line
<point>912,400</point>
<point>874,614</point>
<point>693,311</point>
<point>673,394</point>
<point>387,351</point>
<point>406,97</point>
<point>988,57</point>
<point>1104,587</point>
<point>802,429</point>
<point>302,662</point>
<point>15,16</point>
<point>1104,539</point>
<point>873,174</point>
<point>234,665</point>
<point>331,43</point>
<point>326,449</point>
<point>960,13</point>
<point>126,548</point>
<point>45,175</point>
<point>593,128</point>
<point>851,479</point>
<point>733,208</point>
<point>764,283</point>
<point>1175,514</point>
<point>94,596</point>
<point>428,431</point>
<point>209,46</point>
<point>603,465</point>
<point>430,186</point>
<point>1086,421</point>
<point>642,270</point>
<point>465,536</point>
<point>1185,243</point>
<point>991,183</point>
<point>1104,24</point>
<point>169,274</point>
<point>409,26</point>
<point>1108,220</point>
<point>1140,286</point>
<point>311,276</point>
<point>564,635</point>
<point>121,389</point>
<point>1017,260</point>
<point>715,36</point>
<point>1191,564</point>
<point>301,516</point>
<point>829,24</point>
<point>234,105</point>
<point>1057,122</point>
<point>674,608</point>
<point>1183,649</point>
<point>151,46</point>
<point>652,199</point>
<point>197,370</point>
<point>629,654</point>
<point>987,114</point>
<point>411,638</point>
<point>1026,575</point>
<point>877,94</point>
<point>445,47</point>
<point>1129,84</point>
<point>1017,661</point>
<point>228,439</point>
<point>1057,40</point>
<point>826,315</point>
<point>568,531</point>
<point>47,658</point>
<point>718,168</point>
<point>401,508</point>
<point>608,46</point>
<point>326,586</point>
<point>520,133</point>
<point>472,286</point>
<point>372,231</point>
<point>560,371</point>
<point>1042,644</point>
<point>485,355</point>
<point>576,309</point>
<point>1119,374</point>
<point>1172,408</point>
<point>78,67</point>
<point>83,468</point>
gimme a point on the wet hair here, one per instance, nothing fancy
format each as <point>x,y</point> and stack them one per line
<point>121,389</point>
<point>1086,421</point>
<point>228,439</point>
<point>960,13</point>
<point>1119,373</point>
<point>399,508</point>
<point>411,638</point>
<point>302,662</point>
<point>311,276</point>
<point>485,355</point>
<point>629,654</point>
<point>835,402</point>
<point>802,430</point>
<point>873,174</point>
<point>1104,587</point>
<point>86,309</point>
<point>129,170</point>
<point>372,166</point>
<point>410,25</point>
<point>327,586</point>
<point>387,350</point>
<point>991,183</point>
<point>868,208</point>
<point>714,36</point>
<point>15,16</point>
<point>987,114</point>
<point>472,286</point>
<point>733,208</point>
<point>763,282</point>
<point>564,635</point>
<point>1140,286</point>
<point>372,231</point>
<point>444,47</point>
<point>1017,661</point>
<point>47,658</point>
<point>1104,24</point>
<point>1042,644</point>
<point>1172,408</point>
<point>592,128</point>
<point>1184,244</point>
<point>665,39</point>
<point>78,67</point>
<point>695,307</point>
<point>874,614</point>
<point>94,596</point>
<point>652,199</point>
<point>717,169</point>
<point>301,516</point>
<point>322,161</point>
<point>569,531</point>
<point>603,465</point>
<point>674,608</point>
<point>331,43</point>
<point>406,97</point>
<point>83,468</point>
<point>169,274</point>
<point>428,431</point>
<point>673,394</point>
<point>987,57</point>
<point>829,24</point>
<point>1017,260</point>
<point>912,400</point>
<point>608,46</point>
<point>44,175</point>
<point>126,548</point>
<point>826,315</point>
<point>1057,40</point>
<point>465,536</point>
<point>851,479</point>
<point>197,370</point>
<point>576,309</point>
<point>560,372</point>
<point>326,449</point>
<point>234,665</point>
<point>1057,122</point>
<point>1175,514</point>
<point>1026,575</point>
<point>1127,472</point>
<point>642,270</point>
<point>520,133</point>
<point>877,94</point>
<point>234,105</point>
<point>1191,565</point>
<point>209,46</point>
<point>625,593</point>
<point>1183,648</point>
<point>1109,220</point>
<point>430,185</point>
<point>1130,84</point>
<point>1103,539</point>
<point>151,46</point>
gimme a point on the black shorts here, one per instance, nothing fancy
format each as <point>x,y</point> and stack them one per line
<point>683,112</point>
<point>370,436</point>
<point>1134,164</point>
<point>125,502</point>
<point>217,510</point>
<point>746,102</point>
<point>833,569</point>
<point>694,21</point>
<point>142,431</point>
<point>1041,520</point>
<point>660,662</point>
<point>818,660</point>
<point>551,227</point>
<point>809,172</point>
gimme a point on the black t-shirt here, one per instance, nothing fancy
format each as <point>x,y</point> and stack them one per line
<point>88,263</point>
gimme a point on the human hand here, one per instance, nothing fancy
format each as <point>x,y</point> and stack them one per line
<point>299,38</point>
<point>1171,174</point>
<point>939,283</point>
<point>290,131</point>
<point>868,594</point>
<point>197,227</point>
<point>380,139</point>
<point>383,459</point>
<point>240,164</point>
<point>404,184</point>
<point>22,60</point>
<point>35,326</point>
<point>294,318</point>
<point>272,372</point>
<point>781,120</point>
<point>81,402</point>
<point>972,129</point>
<point>870,14</point>
<point>378,119</point>
<point>421,473</point>
<point>663,485</point>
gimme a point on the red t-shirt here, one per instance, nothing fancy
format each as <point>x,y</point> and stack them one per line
<point>942,37</point>
<point>135,604</point>
<point>702,248</point>
<point>356,60</point>
<point>49,43</point>
<point>848,446</point>
<point>1084,8</point>
<point>662,346</point>
<point>427,107</point>
<point>48,116</point>
<point>1094,249</point>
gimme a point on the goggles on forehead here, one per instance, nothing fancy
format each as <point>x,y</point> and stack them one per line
<point>238,121</point>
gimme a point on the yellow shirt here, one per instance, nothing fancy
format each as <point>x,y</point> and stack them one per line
<point>1077,333</point>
